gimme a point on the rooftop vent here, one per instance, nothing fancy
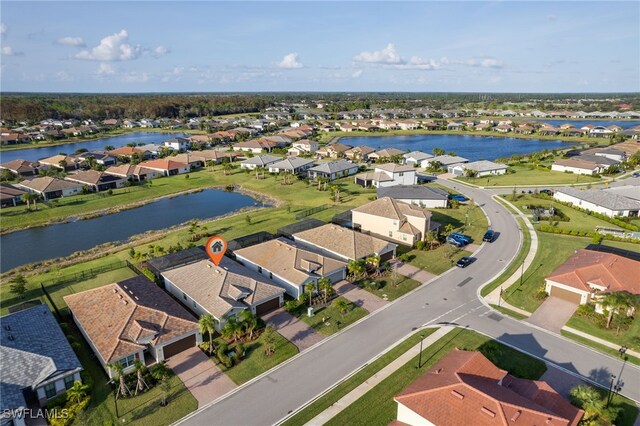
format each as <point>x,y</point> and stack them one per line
<point>7,327</point>
<point>10,337</point>
<point>125,302</point>
<point>488,412</point>
<point>516,415</point>
<point>457,394</point>
<point>209,265</point>
<point>439,370</point>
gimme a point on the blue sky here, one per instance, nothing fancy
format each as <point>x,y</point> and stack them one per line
<point>204,46</point>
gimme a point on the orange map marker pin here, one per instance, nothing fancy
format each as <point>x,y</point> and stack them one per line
<point>216,247</point>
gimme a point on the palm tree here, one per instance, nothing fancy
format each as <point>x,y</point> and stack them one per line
<point>249,322</point>
<point>310,288</point>
<point>140,369</point>
<point>207,324</point>
<point>159,371</point>
<point>325,286</point>
<point>269,340</point>
<point>356,268</point>
<point>227,167</point>
<point>28,198</point>
<point>342,305</point>
<point>63,164</point>
<point>119,377</point>
<point>77,392</point>
<point>588,398</point>
<point>615,302</point>
<point>374,262</point>
<point>231,329</point>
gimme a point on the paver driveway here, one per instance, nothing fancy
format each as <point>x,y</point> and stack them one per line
<point>358,296</point>
<point>553,314</point>
<point>293,329</point>
<point>200,375</point>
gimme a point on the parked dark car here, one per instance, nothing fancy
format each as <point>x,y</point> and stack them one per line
<point>636,174</point>
<point>464,262</point>
<point>546,191</point>
<point>489,236</point>
<point>458,198</point>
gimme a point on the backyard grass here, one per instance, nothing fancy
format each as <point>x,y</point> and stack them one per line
<point>377,406</point>
<point>597,346</point>
<point>468,219</point>
<point>334,320</point>
<point>524,176</point>
<point>515,264</point>
<point>256,361</point>
<point>392,292</point>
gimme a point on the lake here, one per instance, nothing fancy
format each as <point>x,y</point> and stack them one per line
<point>36,244</point>
<point>467,146</point>
<point>33,154</point>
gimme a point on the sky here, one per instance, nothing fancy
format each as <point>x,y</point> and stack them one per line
<point>420,46</point>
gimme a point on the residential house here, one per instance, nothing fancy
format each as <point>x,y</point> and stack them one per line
<point>38,362</point>
<point>416,159</point>
<point>259,161</point>
<point>130,152</point>
<point>21,167</point>
<point>589,275</point>
<point>97,181</point>
<point>153,148</point>
<point>166,166</point>
<point>303,147</point>
<point>455,125</point>
<point>133,173</point>
<point>446,160</point>
<point>503,128</point>
<point>385,175</point>
<point>577,165</point>
<point>177,144</point>
<point>613,154</point>
<point>347,127</point>
<point>408,124</point>
<point>332,170</point>
<point>289,266</point>
<point>50,188</point>
<point>10,195</point>
<point>100,157</point>
<point>359,153</point>
<point>420,195</point>
<point>480,168</point>
<point>253,146</point>
<point>600,201</point>
<point>132,320</point>
<point>345,244</point>
<point>222,290</point>
<point>465,388</point>
<point>63,162</point>
<point>335,150</point>
<point>14,138</point>
<point>601,132</point>
<point>394,220</point>
<point>295,165</point>
<point>387,153</point>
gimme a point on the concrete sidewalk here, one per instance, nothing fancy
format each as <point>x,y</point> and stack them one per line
<point>378,377</point>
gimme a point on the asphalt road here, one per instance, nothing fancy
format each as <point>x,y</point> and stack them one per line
<point>451,297</point>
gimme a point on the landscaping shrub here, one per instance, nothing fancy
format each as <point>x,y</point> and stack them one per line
<point>585,310</point>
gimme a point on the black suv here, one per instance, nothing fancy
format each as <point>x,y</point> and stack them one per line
<point>464,262</point>
<point>489,236</point>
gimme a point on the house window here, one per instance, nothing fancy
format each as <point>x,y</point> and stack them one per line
<point>395,223</point>
<point>404,237</point>
<point>50,390</point>
<point>270,275</point>
<point>68,381</point>
<point>127,361</point>
<point>260,269</point>
<point>184,296</point>
<point>391,233</point>
<point>401,174</point>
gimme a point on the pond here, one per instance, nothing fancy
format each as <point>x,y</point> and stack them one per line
<point>36,244</point>
<point>33,154</point>
<point>467,146</point>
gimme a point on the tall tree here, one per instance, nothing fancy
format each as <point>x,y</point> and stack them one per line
<point>18,285</point>
<point>269,340</point>
<point>325,286</point>
<point>207,324</point>
<point>118,371</point>
<point>249,322</point>
<point>140,369</point>
<point>310,288</point>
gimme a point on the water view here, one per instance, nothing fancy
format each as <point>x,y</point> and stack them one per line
<point>32,245</point>
<point>471,147</point>
<point>33,154</point>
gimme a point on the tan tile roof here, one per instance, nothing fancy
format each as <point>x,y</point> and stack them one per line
<point>387,152</point>
<point>217,288</point>
<point>116,316</point>
<point>392,209</point>
<point>8,192</point>
<point>362,149</point>
<point>395,168</point>
<point>91,177</point>
<point>56,159</point>
<point>48,184</point>
<point>376,176</point>
<point>613,272</point>
<point>19,166</point>
<point>574,162</point>
<point>289,262</point>
<point>466,388</point>
<point>345,242</point>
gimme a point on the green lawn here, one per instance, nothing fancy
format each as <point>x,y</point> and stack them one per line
<point>377,407</point>
<point>629,338</point>
<point>524,176</point>
<point>602,348</point>
<point>256,361</point>
<point>468,219</point>
<point>436,261</point>
<point>392,292</point>
<point>509,312</point>
<point>334,320</point>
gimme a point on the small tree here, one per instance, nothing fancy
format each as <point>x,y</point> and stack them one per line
<point>77,392</point>
<point>207,324</point>
<point>123,389</point>
<point>247,219</point>
<point>310,288</point>
<point>249,322</point>
<point>325,286</point>
<point>449,228</point>
<point>140,369</point>
<point>18,286</point>
<point>165,387</point>
<point>269,340</point>
<point>342,305</point>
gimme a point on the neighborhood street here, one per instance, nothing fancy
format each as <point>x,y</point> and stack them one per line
<point>450,298</point>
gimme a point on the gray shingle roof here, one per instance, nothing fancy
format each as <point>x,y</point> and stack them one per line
<point>485,166</point>
<point>262,160</point>
<point>602,198</point>
<point>33,349</point>
<point>412,192</point>
<point>290,163</point>
<point>333,166</point>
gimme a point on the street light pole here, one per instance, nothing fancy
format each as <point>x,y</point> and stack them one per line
<point>420,355</point>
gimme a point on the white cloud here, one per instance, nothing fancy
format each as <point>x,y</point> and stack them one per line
<point>8,51</point>
<point>136,77</point>
<point>72,41</point>
<point>64,76</point>
<point>160,51</point>
<point>112,48</point>
<point>485,62</point>
<point>106,69</point>
<point>357,74</point>
<point>290,61</point>
<point>3,28</point>
<point>388,55</point>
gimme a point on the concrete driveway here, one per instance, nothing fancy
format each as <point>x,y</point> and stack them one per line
<point>294,330</point>
<point>200,375</point>
<point>553,314</point>
<point>358,296</point>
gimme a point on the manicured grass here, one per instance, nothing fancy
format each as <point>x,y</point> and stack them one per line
<point>334,320</point>
<point>256,361</point>
<point>377,406</point>
<point>553,250</point>
<point>355,380</point>
<point>436,261</point>
<point>513,314</point>
<point>515,264</point>
<point>629,338</point>
<point>392,292</point>
<point>597,346</point>
<point>468,219</point>
<point>525,176</point>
